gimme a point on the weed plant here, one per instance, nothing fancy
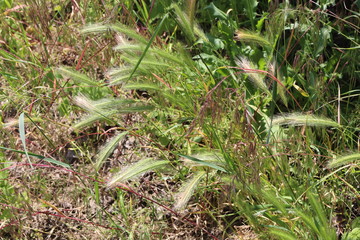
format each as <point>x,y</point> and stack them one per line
<point>250,108</point>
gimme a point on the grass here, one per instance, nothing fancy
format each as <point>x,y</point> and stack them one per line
<point>194,120</point>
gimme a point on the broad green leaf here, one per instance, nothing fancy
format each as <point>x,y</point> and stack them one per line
<point>322,39</point>
<point>216,12</point>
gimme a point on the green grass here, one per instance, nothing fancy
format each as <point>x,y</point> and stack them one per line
<point>150,119</point>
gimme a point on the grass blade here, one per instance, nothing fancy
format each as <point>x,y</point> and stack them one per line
<point>326,232</point>
<point>149,44</point>
<point>283,234</point>
<point>204,163</point>
<point>272,198</point>
<point>22,136</point>
<point>309,221</point>
<point>62,164</point>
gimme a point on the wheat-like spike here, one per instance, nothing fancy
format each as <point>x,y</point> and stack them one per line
<point>343,160</point>
<point>76,76</point>
<point>187,190</point>
<point>98,28</point>
<point>91,118</point>
<point>251,37</point>
<point>136,169</point>
<point>107,150</point>
<point>86,103</point>
<point>299,119</point>
<point>256,78</point>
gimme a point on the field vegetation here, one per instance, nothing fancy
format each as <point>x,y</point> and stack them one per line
<point>179,119</point>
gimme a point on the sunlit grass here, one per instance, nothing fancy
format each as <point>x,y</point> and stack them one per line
<point>199,119</point>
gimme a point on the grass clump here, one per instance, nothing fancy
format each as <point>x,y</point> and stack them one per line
<point>202,120</point>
